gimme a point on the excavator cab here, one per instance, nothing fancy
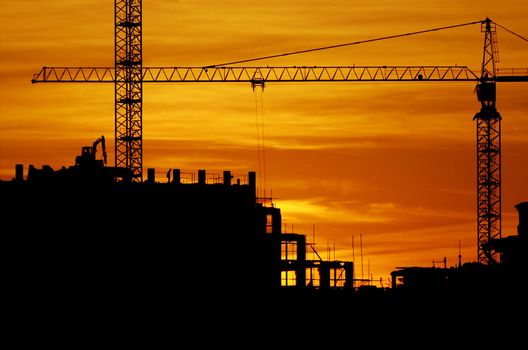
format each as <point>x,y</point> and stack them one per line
<point>86,152</point>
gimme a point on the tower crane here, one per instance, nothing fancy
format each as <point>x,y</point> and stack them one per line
<point>128,76</point>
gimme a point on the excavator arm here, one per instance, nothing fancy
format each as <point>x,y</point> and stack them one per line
<point>101,141</point>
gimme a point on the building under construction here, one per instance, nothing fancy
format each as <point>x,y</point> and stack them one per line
<point>82,230</point>
<point>86,242</point>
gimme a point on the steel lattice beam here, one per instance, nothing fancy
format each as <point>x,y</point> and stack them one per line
<point>128,86</point>
<point>488,183</point>
<point>274,74</point>
<point>268,74</point>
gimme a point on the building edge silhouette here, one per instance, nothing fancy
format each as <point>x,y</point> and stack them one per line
<point>81,240</point>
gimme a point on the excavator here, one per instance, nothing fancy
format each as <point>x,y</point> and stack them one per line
<point>87,169</point>
<point>87,159</point>
<point>88,166</point>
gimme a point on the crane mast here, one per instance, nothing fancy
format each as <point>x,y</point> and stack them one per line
<point>128,75</point>
<point>129,87</point>
<point>488,120</point>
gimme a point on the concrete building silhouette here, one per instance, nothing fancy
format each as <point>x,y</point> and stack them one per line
<point>79,229</point>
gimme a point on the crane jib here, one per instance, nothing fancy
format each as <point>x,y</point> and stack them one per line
<point>265,73</point>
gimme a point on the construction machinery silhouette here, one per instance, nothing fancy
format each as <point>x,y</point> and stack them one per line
<point>88,154</point>
<point>128,75</point>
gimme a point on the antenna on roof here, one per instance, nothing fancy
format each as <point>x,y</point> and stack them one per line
<point>353,262</point>
<point>459,255</point>
<point>361,253</point>
<point>368,272</point>
<point>313,241</point>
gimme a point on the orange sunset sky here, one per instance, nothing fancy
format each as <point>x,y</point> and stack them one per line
<point>392,161</point>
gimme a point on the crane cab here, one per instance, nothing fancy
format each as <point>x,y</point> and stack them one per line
<point>486,92</point>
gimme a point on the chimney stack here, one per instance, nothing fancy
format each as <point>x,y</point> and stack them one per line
<point>522,228</point>
<point>201,177</point>
<point>19,172</point>
<point>252,180</point>
<point>151,175</point>
<point>227,178</point>
<point>176,176</point>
